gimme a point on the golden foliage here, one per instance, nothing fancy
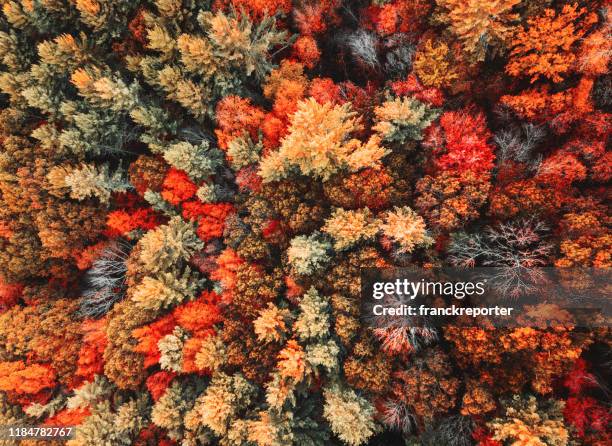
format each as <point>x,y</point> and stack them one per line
<point>292,362</point>
<point>525,424</point>
<point>406,228</point>
<point>319,144</point>
<point>196,54</point>
<point>350,227</point>
<point>479,24</point>
<point>271,325</point>
<point>433,66</point>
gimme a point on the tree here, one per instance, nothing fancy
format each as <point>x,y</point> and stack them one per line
<point>318,144</point>
<point>480,25</point>
<point>544,47</point>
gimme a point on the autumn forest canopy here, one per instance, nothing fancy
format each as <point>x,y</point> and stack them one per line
<point>189,190</point>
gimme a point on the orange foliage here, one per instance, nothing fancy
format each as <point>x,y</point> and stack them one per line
<point>399,16</point>
<point>273,130</point>
<point>191,348</point>
<point>147,173</point>
<point>198,316</point>
<point>560,110</point>
<point>550,353</point>
<point>236,117</point>
<point>227,267</point>
<point>210,216</point>
<point>543,48</point>
<point>256,9</point>
<point>55,338</point>
<point>178,187</point>
<point>451,199</point>
<point>292,361</point>
<point>121,222</point>
<point>85,258</point>
<point>323,90</point>
<point>149,335</point>
<point>286,100</point>
<point>25,379</point>
<point>5,230</point>
<point>158,382</point>
<point>305,49</point>
<point>586,239</point>
<point>68,417</point>
<point>537,103</point>
<point>293,289</point>
<point>313,17</point>
<point>91,355</point>
<point>286,86</point>
<point>370,187</point>
<point>526,196</point>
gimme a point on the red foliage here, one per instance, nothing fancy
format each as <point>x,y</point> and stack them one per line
<point>595,125</point>
<point>579,379</point>
<point>361,99</point>
<point>9,294</point>
<point>315,17</point>
<point>149,335</point>
<point>178,187</point>
<point>210,216</point>
<point>137,27</point>
<point>398,16</point>
<point>484,438</point>
<point>465,146</point>
<point>248,179</point>
<point>158,382</point>
<point>271,229</point>
<point>561,169</point>
<point>153,436</point>
<point>323,90</point>
<point>602,168</point>
<point>91,355</point>
<point>593,154</point>
<point>412,87</point>
<point>85,257</point>
<point>121,222</point>
<point>585,414</point>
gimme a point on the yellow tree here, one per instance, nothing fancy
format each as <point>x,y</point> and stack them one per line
<point>479,24</point>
